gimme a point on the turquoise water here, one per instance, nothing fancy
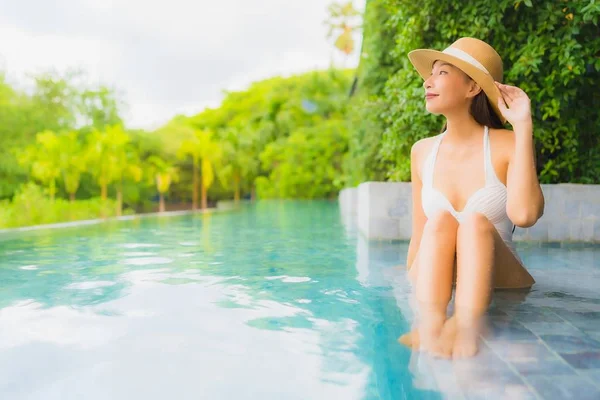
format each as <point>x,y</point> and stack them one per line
<point>279,300</point>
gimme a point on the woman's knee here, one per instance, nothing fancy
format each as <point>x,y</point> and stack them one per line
<point>475,224</point>
<point>442,223</point>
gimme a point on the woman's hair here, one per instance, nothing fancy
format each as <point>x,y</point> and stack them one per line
<point>482,112</point>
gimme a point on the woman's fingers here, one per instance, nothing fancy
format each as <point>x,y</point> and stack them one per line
<point>502,106</point>
<point>506,91</point>
<point>513,92</point>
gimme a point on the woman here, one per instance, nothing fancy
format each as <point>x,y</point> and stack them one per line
<point>472,185</point>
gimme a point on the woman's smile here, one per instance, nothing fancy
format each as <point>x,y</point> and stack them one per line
<point>430,95</point>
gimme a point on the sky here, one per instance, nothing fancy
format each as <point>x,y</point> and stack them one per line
<point>167,57</point>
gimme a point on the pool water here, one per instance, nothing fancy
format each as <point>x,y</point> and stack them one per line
<point>274,300</point>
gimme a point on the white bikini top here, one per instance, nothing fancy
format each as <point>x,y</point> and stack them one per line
<point>489,200</point>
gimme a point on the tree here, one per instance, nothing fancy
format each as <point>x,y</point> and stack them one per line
<point>210,156</point>
<point>305,165</point>
<point>72,161</point>
<point>43,159</point>
<point>99,159</point>
<point>100,107</point>
<point>125,166</point>
<point>112,159</point>
<point>163,174</point>
<point>55,99</point>
<point>238,160</point>
<point>191,147</point>
<point>549,51</point>
<point>341,24</point>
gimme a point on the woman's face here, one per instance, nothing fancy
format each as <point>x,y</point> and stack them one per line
<point>448,89</point>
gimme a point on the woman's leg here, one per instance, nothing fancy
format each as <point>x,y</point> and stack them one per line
<point>483,262</point>
<point>433,284</point>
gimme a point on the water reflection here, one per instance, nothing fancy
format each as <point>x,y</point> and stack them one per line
<point>265,297</point>
<point>274,300</point>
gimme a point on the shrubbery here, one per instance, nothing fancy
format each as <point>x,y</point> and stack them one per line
<point>32,206</point>
<point>549,48</point>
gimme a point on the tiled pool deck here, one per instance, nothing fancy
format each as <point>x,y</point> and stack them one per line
<point>541,344</point>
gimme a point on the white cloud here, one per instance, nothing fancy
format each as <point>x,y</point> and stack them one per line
<point>28,52</point>
<point>167,57</point>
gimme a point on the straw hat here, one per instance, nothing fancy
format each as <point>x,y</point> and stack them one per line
<point>474,57</point>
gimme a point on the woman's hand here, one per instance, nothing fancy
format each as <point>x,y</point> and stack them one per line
<point>518,111</point>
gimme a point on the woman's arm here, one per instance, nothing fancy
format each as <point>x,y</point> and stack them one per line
<point>525,204</point>
<point>418,216</point>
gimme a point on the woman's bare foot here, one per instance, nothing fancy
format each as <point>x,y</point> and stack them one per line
<point>410,339</point>
<point>430,330</point>
<point>443,345</point>
<point>466,341</point>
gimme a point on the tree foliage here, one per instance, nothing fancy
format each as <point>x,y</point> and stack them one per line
<point>269,140</point>
<point>549,49</point>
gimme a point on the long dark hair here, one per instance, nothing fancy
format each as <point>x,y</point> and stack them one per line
<point>482,112</point>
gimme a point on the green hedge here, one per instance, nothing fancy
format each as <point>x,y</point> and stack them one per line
<point>550,49</point>
<point>32,206</point>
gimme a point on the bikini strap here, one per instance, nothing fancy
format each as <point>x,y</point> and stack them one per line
<point>490,174</point>
<point>430,161</point>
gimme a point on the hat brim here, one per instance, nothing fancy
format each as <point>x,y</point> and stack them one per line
<point>423,59</point>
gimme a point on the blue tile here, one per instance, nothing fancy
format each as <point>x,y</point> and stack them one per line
<point>477,381</point>
<point>570,344</point>
<point>564,387</point>
<point>590,316</point>
<point>486,360</point>
<point>527,316</point>
<point>583,360</point>
<point>544,367</point>
<point>553,328</point>
<point>528,351</point>
<point>498,392</point>
<point>593,375</point>
<point>579,316</point>
<point>496,312</point>
<point>509,330</point>
<point>588,325</point>
<point>594,335</point>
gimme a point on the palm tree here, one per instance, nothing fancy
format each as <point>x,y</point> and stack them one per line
<point>341,23</point>
<point>238,159</point>
<point>43,159</point>
<point>191,147</point>
<point>112,160</point>
<point>206,155</point>
<point>72,162</point>
<point>98,158</point>
<point>127,168</point>
<point>211,154</point>
<point>125,163</point>
<point>164,174</point>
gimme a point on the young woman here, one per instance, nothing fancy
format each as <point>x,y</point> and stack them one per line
<point>472,185</point>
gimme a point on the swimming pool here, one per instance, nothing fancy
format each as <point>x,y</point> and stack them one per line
<point>275,300</point>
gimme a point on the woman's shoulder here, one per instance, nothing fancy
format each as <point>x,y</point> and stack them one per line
<point>502,134</point>
<point>502,140</point>
<point>423,146</point>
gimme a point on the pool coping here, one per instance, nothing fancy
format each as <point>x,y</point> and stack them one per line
<point>222,206</point>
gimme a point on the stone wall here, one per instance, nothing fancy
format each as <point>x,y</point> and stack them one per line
<point>383,212</point>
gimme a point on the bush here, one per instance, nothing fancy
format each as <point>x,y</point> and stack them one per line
<point>305,165</point>
<point>549,49</point>
<point>31,206</point>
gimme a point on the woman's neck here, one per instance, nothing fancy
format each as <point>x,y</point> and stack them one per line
<point>462,127</point>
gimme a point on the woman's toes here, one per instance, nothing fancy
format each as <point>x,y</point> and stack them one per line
<point>465,343</point>
<point>410,339</point>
